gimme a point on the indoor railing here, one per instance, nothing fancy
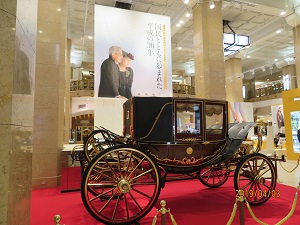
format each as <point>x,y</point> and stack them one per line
<point>269,90</point>
<point>183,89</point>
<point>82,85</point>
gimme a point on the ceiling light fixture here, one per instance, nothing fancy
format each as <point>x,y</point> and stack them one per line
<point>186,1</point>
<point>90,37</point>
<point>211,4</point>
<point>179,48</point>
<point>278,31</point>
<point>233,42</point>
<point>187,15</point>
<point>178,25</point>
<point>282,13</point>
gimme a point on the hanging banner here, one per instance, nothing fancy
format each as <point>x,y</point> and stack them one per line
<point>146,37</point>
<point>240,112</point>
<point>278,119</point>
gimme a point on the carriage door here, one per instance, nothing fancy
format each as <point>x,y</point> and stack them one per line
<point>215,121</point>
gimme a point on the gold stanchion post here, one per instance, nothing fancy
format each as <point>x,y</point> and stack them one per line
<point>241,207</point>
<point>57,219</point>
<point>163,211</point>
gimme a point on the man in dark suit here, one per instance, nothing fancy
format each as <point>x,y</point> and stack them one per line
<point>110,79</point>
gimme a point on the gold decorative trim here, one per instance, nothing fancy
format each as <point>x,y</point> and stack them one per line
<point>188,161</point>
<point>189,139</point>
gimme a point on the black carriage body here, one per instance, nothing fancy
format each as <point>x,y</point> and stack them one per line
<point>182,134</point>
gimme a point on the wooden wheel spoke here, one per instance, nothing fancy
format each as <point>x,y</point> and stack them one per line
<point>135,201</point>
<point>130,157</point>
<point>111,169</point>
<point>108,201</point>
<point>207,178</point>
<point>142,174</point>
<point>102,174</point>
<point>261,166</point>
<point>102,194</point>
<point>219,174</point>
<point>245,186</point>
<point>116,207</point>
<point>144,183</point>
<point>255,165</point>
<point>126,206</point>
<point>250,167</point>
<point>119,162</point>
<point>267,170</point>
<point>205,172</point>
<point>135,168</point>
<point>141,193</point>
<point>102,185</point>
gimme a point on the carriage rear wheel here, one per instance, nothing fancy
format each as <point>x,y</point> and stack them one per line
<point>214,176</point>
<point>127,184</point>
<point>255,178</point>
<point>97,141</point>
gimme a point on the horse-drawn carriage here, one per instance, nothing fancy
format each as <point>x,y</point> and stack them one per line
<point>163,136</point>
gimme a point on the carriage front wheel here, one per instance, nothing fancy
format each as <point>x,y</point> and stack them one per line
<point>120,185</point>
<point>214,176</point>
<point>255,178</point>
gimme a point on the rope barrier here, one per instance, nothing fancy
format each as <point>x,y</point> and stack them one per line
<point>233,213</point>
<point>252,214</point>
<point>258,220</point>
<point>292,209</point>
<point>292,169</point>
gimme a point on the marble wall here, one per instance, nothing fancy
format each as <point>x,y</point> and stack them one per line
<point>18,23</point>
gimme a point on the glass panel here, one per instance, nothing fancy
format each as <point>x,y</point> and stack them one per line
<point>295,117</point>
<point>214,118</point>
<point>188,118</point>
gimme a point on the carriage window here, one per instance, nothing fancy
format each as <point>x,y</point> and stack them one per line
<point>214,118</point>
<point>188,118</point>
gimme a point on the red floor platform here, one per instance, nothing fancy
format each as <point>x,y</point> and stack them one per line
<point>190,202</point>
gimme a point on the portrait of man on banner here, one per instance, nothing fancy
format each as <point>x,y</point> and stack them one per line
<point>142,37</point>
<point>116,75</point>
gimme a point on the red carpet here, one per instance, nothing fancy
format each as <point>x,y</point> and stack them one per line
<point>190,202</point>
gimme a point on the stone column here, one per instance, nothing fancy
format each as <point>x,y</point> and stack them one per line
<point>50,90</point>
<point>208,51</point>
<point>68,112</point>
<point>18,27</point>
<point>234,80</point>
<point>291,70</point>
<point>296,32</point>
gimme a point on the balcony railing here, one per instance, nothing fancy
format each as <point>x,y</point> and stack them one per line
<point>183,89</point>
<point>269,90</point>
<point>82,85</point>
